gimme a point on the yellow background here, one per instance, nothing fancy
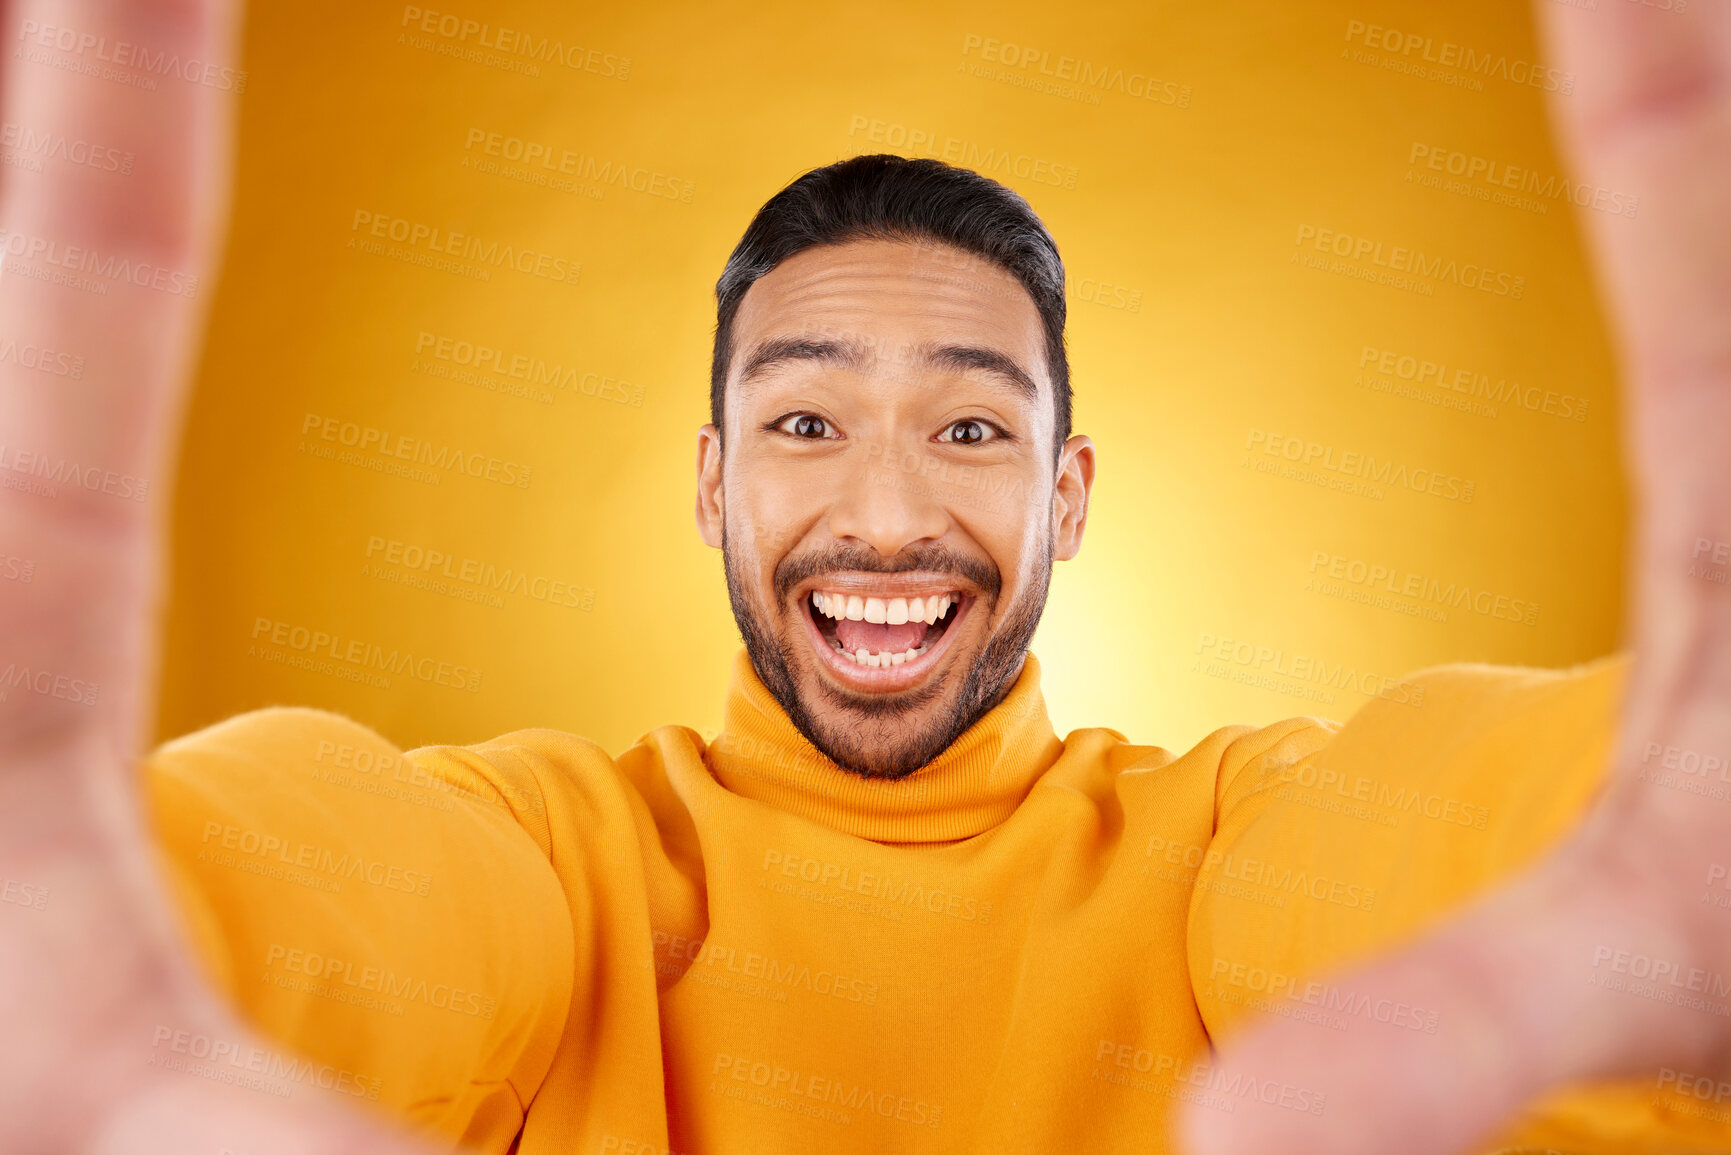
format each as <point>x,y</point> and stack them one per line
<point>1196,209</point>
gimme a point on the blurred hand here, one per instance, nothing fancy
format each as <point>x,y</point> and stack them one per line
<point>1651,113</point>
<point>108,1040</point>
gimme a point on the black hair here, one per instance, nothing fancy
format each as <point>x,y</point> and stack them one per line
<point>886,197</point>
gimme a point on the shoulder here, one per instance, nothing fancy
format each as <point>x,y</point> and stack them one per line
<point>268,752</point>
<point>558,756</point>
<point>1466,709</point>
<point>1256,752</point>
<point>272,729</point>
<point>275,727</point>
<point>1209,778</point>
<point>260,749</point>
<point>1447,703</point>
<point>520,770</point>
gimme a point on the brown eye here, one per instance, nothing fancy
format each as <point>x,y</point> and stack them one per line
<point>967,432</point>
<point>807,425</point>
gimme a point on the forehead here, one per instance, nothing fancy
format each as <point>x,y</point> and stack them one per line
<point>891,297</point>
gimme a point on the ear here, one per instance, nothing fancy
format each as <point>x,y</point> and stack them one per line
<point>710,510</point>
<point>1070,497</point>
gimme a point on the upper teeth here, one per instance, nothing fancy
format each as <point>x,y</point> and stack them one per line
<point>894,611</point>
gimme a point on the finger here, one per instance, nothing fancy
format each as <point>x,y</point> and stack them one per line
<point>110,268</point>
<point>1516,1013</point>
<point>1651,115</point>
<point>131,240</point>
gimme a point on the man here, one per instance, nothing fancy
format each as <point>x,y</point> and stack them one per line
<point>887,908</point>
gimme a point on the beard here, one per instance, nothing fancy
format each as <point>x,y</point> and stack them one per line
<point>835,723</point>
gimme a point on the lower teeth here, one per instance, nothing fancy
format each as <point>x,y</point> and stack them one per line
<point>864,657</point>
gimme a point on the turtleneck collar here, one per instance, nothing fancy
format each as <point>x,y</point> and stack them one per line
<point>971,787</point>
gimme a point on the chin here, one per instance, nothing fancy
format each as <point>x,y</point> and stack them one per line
<point>883,670</point>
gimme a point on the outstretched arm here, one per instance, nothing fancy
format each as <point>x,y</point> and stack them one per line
<point>112,268</point>
<point>1512,977</point>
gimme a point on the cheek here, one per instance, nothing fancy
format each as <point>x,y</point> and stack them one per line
<point>1029,559</point>
<point>767,517</point>
<point>1015,536</point>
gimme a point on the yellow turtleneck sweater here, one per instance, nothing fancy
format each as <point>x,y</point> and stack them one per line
<point>736,946</point>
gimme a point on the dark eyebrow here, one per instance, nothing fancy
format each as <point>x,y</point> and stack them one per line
<point>965,357</point>
<point>783,350</point>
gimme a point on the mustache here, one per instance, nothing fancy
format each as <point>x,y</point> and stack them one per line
<point>931,557</point>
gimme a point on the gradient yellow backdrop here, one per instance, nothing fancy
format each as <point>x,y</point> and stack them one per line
<point>560,185</point>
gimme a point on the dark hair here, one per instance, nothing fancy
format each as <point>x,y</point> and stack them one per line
<point>886,197</point>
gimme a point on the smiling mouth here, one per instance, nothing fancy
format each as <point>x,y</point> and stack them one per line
<point>879,633</point>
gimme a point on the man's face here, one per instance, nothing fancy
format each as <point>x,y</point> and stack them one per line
<point>888,506</point>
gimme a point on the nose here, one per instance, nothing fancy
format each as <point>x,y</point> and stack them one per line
<point>886,502</point>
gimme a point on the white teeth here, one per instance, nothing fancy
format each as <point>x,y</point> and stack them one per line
<point>864,657</point>
<point>891,611</point>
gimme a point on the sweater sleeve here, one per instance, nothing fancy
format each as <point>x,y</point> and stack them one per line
<point>391,920</point>
<point>1420,803</point>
